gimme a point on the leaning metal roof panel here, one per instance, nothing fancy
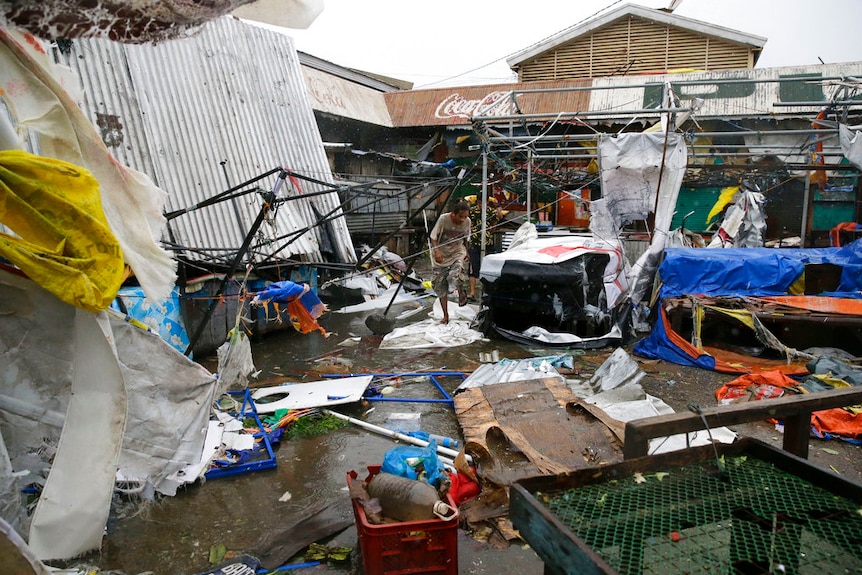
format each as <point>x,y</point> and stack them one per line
<point>207,113</point>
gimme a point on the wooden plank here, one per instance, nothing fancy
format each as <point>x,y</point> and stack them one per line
<point>640,431</point>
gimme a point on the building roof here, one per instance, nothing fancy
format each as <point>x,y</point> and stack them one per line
<point>659,16</point>
<point>456,106</point>
<point>760,92</point>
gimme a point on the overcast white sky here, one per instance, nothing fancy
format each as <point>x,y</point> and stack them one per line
<point>452,42</point>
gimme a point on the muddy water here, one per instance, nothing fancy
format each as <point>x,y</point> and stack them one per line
<point>174,535</point>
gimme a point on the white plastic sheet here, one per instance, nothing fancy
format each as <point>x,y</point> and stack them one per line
<point>641,173</point>
<point>431,333</point>
<point>623,399</point>
<point>851,143</point>
<point>138,404</point>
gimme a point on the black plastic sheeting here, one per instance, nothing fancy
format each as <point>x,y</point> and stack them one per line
<point>567,297</point>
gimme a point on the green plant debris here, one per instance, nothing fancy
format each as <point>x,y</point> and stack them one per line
<point>217,553</point>
<point>318,552</point>
<point>313,426</point>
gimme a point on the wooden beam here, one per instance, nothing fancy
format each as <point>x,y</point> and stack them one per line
<point>795,410</point>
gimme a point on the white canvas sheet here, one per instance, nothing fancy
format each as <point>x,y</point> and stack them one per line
<point>138,404</point>
<point>323,393</point>
<point>641,173</point>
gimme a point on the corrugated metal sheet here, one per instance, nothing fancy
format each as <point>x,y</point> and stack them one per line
<point>730,93</point>
<point>726,94</point>
<point>202,114</point>
<point>455,106</point>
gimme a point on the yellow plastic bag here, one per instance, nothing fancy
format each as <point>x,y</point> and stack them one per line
<point>63,240</point>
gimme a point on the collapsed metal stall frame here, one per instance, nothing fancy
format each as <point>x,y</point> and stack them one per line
<point>787,141</point>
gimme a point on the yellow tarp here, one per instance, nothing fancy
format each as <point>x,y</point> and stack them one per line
<point>62,241</point>
<point>723,199</point>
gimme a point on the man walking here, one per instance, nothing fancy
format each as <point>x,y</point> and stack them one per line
<point>449,244</point>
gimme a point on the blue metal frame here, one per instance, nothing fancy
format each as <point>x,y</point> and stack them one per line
<point>248,408</point>
<point>432,375</point>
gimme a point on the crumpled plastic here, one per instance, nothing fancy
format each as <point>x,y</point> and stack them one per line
<point>64,242</point>
<point>303,305</point>
<point>414,462</point>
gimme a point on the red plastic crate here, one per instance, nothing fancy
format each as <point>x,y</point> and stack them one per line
<point>408,547</point>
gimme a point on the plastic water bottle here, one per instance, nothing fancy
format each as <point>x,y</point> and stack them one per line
<point>440,439</point>
<point>406,499</point>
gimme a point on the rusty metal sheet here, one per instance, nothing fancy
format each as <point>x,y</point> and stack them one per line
<point>455,106</point>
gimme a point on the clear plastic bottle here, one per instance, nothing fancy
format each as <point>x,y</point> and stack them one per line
<point>406,499</point>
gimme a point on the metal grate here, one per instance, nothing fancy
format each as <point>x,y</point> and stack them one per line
<point>750,518</point>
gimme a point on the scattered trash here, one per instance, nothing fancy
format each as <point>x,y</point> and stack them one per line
<point>318,553</point>
<point>444,451</point>
<point>618,370</point>
<point>492,357</point>
<point>424,436</point>
<point>408,499</point>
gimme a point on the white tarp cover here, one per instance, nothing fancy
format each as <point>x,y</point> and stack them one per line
<point>431,333</point>
<point>124,398</point>
<point>619,394</point>
<point>635,169</point>
<point>553,250</point>
<point>851,143</point>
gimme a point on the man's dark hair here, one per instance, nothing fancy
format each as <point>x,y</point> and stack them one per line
<point>461,206</point>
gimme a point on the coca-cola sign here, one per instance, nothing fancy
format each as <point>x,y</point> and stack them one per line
<point>457,106</point>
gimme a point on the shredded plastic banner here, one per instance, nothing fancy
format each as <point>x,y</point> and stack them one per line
<point>63,240</point>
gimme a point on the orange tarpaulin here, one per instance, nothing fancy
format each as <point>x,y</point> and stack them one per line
<point>770,384</point>
<point>844,306</point>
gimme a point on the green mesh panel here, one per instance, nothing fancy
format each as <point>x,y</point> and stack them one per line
<point>751,519</point>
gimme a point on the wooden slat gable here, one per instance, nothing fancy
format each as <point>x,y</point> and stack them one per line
<point>633,45</point>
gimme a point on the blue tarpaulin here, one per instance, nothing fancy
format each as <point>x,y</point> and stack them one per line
<point>738,272</point>
<point>753,271</point>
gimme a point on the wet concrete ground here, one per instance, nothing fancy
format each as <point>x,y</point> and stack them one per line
<point>175,535</point>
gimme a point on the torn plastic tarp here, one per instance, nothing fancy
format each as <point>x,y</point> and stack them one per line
<point>744,223</point>
<point>753,271</point>
<point>738,272</point>
<point>563,284</point>
<point>508,370</point>
<point>622,398</point>
<point>431,333</point>
<point>641,173</point>
<point>845,423</point>
<point>133,205</point>
<point>63,240</point>
<point>138,405</point>
<point>303,305</point>
<point>851,143</point>
<point>382,300</point>
<point>535,335</point>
